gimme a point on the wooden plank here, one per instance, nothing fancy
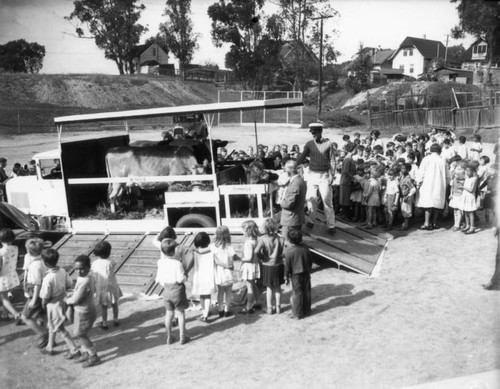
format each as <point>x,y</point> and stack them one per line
<point>358,232</point>
<point>337,256</point>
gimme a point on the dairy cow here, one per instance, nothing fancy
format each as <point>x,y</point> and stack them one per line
<point>255,174</point>
<point>147,160</point>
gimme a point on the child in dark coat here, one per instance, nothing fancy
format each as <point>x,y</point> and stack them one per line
<point>298,265</point>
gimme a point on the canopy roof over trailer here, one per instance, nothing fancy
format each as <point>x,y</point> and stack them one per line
<point>179,110</point>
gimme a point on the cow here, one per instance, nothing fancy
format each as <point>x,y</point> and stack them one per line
<point>147,160</point>
<point>255,174</point>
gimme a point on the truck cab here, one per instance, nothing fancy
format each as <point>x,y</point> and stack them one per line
<point>42,195</point>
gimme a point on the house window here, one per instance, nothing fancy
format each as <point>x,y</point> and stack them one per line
<point>154,51</point>
<point>411,52</point>
<point>405,53</point>
<point>402,67</point>
<point>411,68</point>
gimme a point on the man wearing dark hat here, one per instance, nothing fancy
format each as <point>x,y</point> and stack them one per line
<point>320,176</point>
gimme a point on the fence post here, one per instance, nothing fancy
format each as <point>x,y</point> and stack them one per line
<point>426,110</point>
<point>454,118</point>
<point>369,110</point>
<point>491,98</point>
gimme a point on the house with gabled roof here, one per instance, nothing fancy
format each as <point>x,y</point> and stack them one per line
<point>291,48</point>
<point>476,60</point>
<point>151,58</point>
<point>414,55</point>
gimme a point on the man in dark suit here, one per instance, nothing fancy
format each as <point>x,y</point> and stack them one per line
<point>293,202</point>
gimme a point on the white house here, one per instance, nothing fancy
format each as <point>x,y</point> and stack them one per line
<point>414,55</point>
<point>149,58</point>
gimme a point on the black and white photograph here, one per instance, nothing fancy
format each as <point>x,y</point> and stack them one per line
<point>250,194</point>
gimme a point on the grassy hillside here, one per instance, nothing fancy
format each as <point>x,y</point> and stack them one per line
<point>29,103</point>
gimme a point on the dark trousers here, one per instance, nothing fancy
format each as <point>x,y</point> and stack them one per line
<point>495,280</point>
<point>301,294</point>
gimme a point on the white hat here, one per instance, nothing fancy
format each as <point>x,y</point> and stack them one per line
<point>316,126</point>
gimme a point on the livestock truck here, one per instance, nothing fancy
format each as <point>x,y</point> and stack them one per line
<point>77,198</point>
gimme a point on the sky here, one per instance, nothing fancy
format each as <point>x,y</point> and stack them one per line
<point>374,23</point>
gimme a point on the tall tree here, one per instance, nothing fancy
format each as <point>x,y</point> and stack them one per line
<point>113,24</point>
<point>20,56</point>
<point>481,18</point>
<point>255,44</point>
<point>178,32</point>
<point>359,72</point>
<point>301,30</point>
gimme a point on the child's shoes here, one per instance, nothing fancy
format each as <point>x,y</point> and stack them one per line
<point>170,339</point>
<point>104,326</point>
<point>82,358</point>
<point>92,361</point>
<point>185,339</point>
<point>72,355</point>
<point>42,340</point>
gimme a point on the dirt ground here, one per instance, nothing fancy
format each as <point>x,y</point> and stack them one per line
<point>424,318</point>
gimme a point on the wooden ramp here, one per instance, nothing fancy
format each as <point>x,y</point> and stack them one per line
<point>132,275</point>
<point>134,254</point>
<point>352,247</point>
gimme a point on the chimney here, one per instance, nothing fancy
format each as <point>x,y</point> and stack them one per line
<point>425,37</point>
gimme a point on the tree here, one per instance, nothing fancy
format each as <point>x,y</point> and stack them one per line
<point>303,34</point>
<point>254,49</point>
<point>480,18</point>
<point>177,32</point>
<point>113,24</point>
<point>21,56</point>
<point>456,54</point>
<point>359,72</point>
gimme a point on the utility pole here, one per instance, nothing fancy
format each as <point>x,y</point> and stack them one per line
<point>320,74</point>
<point>446,51</point>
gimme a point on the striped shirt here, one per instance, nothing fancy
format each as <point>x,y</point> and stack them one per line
<point>321,155</point>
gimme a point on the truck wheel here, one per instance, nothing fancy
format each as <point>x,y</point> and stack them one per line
<point>195,220</point>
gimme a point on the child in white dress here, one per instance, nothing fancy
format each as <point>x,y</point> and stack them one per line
<point>469,203</point>
<point>8,274</point>
<point>224,257</point>
<point>250,270</point>
<point>456,190</point>
<point>107,290</point>
<point>204,273</point>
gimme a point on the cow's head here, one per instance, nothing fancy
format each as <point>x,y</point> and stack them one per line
<point>255,173</point>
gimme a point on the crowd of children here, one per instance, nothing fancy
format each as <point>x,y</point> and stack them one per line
<point>384,187</point>
<point>265,258</point>
<point>51,295</point>
<point>53,300</point>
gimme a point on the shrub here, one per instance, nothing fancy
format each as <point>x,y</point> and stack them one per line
<point>339,119</point>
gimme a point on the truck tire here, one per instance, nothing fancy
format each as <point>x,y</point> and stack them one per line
<point>195,220</point>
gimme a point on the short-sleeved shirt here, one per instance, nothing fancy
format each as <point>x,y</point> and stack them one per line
<point>170,271</point>
<point>36,272</point>
<point>54,284</point>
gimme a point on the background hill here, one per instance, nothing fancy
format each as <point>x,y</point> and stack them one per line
<point>29,102</point>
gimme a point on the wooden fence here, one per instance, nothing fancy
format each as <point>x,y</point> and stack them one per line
<point>451,118</point>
